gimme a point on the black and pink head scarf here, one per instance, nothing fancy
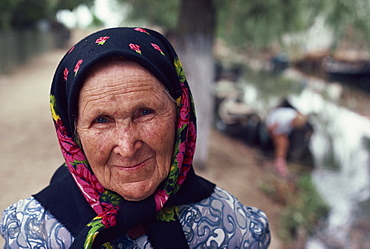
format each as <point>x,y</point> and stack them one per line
<point>114,214</point>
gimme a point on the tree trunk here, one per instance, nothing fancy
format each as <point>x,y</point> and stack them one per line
<point>195,32</point>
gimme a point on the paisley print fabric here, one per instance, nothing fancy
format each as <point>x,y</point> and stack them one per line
<point>26,224</point>
<point>219,221</point>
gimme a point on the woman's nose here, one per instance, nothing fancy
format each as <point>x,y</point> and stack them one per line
<point>127,143</point>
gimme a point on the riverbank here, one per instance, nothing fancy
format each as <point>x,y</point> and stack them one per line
<point>339,145</point>
<point>292,204</point>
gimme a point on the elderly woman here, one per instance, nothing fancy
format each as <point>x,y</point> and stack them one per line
<point>125,122</point>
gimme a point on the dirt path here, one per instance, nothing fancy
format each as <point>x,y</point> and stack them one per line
<point>242,170</point>
<point>29,150</point>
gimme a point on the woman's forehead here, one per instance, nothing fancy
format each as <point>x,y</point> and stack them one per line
<point>121,79</point>
<point>122,73</point>
<point>106,64</point>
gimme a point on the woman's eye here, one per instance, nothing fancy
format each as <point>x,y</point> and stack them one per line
<point>146,112</point>
<point>101,120</point>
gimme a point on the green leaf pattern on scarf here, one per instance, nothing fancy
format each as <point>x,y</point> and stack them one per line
<point>168,213</point>
<point>96,226</point>
<point>110,197</point>
<point>179,70</point>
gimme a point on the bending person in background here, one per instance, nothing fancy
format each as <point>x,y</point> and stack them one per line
<point>280,123</point>
<point>126,125</point>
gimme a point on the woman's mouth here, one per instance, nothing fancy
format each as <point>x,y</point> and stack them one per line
<point>134,166</point>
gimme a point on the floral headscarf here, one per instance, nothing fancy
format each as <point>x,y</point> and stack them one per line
<point>152,51</point>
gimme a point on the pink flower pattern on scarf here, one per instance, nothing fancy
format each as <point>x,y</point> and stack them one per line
<point>156,47</point>
<point>102,40</point>
<point>135,47</point>
<point>65,74</point>
<point>78,64</point>
<point>141,30</point>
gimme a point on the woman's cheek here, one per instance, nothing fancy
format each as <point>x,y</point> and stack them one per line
<point>96,147</point>
<point>102,149</point>
<point>156,134</point>
<point>162,135</point>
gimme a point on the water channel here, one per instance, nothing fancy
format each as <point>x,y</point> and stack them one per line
<point>340,146</point>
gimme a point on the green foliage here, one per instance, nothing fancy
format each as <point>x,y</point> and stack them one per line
<point>6,9</point>
<point>304,210</point>
<point>71,4</point>
<point>23,14</point>
<point>253,22</point>
<point>161,12</point>
<point>349,18</point>
<point>96,22</point>
<point>28,12</point>
<point>303,207</point>
<point>260,22</point>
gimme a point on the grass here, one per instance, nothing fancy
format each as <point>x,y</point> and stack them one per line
<point>303,206</point>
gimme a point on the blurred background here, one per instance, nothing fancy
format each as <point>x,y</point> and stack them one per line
<point>242,59</point>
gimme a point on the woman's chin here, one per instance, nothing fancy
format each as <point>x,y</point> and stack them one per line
<point>136,191</point>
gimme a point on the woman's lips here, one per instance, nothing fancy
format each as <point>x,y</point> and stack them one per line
<point>134,167</point>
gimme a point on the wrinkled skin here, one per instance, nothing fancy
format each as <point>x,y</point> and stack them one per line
<point>126,125</point>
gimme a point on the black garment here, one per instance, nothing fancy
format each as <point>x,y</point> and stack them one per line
<point>65,202</point>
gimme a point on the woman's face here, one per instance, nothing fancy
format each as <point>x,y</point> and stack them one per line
<point>126,124</point>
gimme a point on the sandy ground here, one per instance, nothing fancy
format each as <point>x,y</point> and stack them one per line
<point>29,151</point>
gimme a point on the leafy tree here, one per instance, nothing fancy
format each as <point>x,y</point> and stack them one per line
<point>28,12</point>
<point>23,14</point>
<point>6,10</point>
<point>349,20</point>
<point>257,23</point>
<point>163,13</point>
<point>70,4</point>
